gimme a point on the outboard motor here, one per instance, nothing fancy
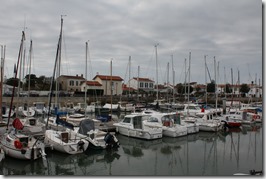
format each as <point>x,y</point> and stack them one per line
<point>110,140</point>
<point>80,145</point>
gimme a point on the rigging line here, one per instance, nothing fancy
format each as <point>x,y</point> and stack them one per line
<point>182,71</point>
<point>127,68</point>
<point>208,72</point>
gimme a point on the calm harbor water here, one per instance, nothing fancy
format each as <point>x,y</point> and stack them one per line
<point>201,154</point>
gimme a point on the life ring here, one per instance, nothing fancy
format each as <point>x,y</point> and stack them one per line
<point>254,117</point>
<point>18,144</point>
<point>257,117</point>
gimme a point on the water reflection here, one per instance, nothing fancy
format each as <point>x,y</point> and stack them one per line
<point>200,154</point>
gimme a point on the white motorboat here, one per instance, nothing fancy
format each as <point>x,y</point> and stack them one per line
<point>170,124</point>
<point>207,122</point>
<point>136,125</point>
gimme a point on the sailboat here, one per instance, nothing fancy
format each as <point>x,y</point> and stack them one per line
<point>97,139</point>
<point>25,110</point>
<point>66,141</point>
<point>16,144</point>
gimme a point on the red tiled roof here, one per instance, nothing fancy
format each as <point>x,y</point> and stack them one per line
<point>93,83</point>
<point>142,79</point>
<point>125,88</point>
<point>108,78</point>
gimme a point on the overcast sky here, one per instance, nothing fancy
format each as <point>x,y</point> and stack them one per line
<point>230,31</point>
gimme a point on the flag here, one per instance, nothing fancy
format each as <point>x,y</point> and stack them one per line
<point>17,124</point>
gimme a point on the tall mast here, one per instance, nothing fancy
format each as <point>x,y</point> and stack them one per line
<point>3,48</point>
<point>185,77</point>
<point>138,84</point>
<point>111,85</point>
<point>13,90</point>
<point>86,59</point>
<point>173,73</point>
<point>167,81</point>
<point>58,53</point>
<point>189,75</point>
<point>206,92</point>
<point>215,85</point>
<point>129,71</point>
<point>224,83</point>
<point>30,51</point>
<point>157,94</point>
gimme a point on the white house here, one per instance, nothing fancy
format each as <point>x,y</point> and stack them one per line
<point>141,83</point>
<point>110,82</point>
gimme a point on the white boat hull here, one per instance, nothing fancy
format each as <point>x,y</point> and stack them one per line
<point>70,146</point>
<point>176,131</point>
<point>26,153</point>
<point>139,133</point>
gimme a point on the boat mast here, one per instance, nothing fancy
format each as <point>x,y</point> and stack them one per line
<point>138,85</point>
<point>53,77</point>
<point>86,79</point>
<point>189,75</point>
<point>111,85</point>
<point>13,90</point>
<point>157,93</point>
<point>173,71</point>
<point>206,92</point>
<point>3,48</point>
<point>215,89</point>
<point>129,71</point>
<point>30,51</point>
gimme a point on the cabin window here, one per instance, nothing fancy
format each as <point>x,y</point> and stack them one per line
<point>153,119</point>
<point>191,107</point>
<point>151,85</point>
<point>137,122</point>
<point>126,120</point>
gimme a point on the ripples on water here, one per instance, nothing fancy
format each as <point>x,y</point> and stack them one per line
<point>201,154</point>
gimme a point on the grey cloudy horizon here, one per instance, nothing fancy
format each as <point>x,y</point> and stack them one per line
<point>230,31</point>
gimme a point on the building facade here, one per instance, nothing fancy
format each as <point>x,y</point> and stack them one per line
<point>144,84</point>
<point>70,83</point>
<point>111,85</point>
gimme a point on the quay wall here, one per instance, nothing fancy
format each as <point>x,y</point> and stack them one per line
<point>102,99</point>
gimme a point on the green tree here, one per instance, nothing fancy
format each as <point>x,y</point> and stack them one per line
<point>33,81</point>
<point>13,82</point>
<point>211,87</point>
<point>227,88</point>
<point>244,89</point>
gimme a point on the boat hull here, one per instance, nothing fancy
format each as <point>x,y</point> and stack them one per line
<point>139,133</point>
<point>70,145</point>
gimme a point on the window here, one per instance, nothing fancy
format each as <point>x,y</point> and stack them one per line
<point>141,85</point>
<point>151,85</point>
<point>71,83</point>
<point>146,85</point>
<point>77,83</point>
<point>153,119</point>
<point>127,120</point>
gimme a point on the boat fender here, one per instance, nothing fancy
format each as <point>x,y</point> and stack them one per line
<point>18,144</point>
